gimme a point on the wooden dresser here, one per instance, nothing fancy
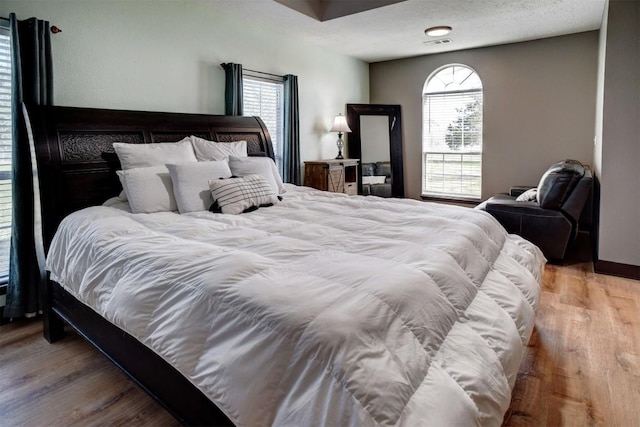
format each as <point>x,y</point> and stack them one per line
<point>337,176</point>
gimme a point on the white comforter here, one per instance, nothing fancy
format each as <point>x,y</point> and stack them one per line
<point>322,310</point>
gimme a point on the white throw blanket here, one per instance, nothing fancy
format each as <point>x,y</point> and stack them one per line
<point>321,310</point>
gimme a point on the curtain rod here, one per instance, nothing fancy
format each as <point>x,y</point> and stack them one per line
<point>257,72</point>
<point>262,72</point>
<point>52,28</point>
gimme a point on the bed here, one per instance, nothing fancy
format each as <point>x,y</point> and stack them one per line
<point>323,309</point>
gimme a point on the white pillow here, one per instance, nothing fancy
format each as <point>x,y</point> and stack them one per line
<point>206,150</point>
<point>265,166</point>
<point>190,183</point>
<point>236,195</point>
<point>146,155</point>
<point>148,189</point>
<point>531,195</point>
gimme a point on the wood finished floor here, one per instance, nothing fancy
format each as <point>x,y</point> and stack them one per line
<point>581,368</point>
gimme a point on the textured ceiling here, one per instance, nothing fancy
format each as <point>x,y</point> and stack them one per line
<point>397,30</point>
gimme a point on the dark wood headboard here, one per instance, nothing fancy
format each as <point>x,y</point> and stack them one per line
<point>73,144</point>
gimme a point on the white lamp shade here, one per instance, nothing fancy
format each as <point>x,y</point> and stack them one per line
<point>340,124</point>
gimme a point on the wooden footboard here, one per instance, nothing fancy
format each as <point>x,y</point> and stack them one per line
<point>157,377</point>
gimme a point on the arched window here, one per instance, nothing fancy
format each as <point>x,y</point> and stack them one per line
<point>452,133</point>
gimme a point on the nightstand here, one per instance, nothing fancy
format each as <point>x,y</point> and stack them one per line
<point>335,175</point>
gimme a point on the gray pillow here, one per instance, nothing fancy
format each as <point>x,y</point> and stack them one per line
<point>264,166</point>
<point>190,183</point>
<point>148,189</point>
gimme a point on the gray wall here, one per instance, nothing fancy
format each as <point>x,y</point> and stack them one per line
<point>166,55</point>
<point>539,105</point>
<point>617,152</point>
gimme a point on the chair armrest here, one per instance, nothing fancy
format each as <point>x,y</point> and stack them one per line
<point>550,230</point>
<point>517,190</point>
<point>520,208</point>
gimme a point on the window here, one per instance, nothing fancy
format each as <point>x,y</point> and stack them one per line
<point>263,97</point>
<point>5,149</point>
<point>452,134</point>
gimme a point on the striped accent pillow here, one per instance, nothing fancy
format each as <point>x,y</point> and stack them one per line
<point>237,195</point>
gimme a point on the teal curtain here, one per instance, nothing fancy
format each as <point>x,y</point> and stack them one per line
<point>32,82</point>
<point>233,89</point>
<point>291,141</point>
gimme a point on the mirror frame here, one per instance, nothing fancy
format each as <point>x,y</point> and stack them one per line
<point>393,112</point>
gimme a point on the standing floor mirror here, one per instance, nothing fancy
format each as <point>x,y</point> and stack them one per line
<point>376,139</point>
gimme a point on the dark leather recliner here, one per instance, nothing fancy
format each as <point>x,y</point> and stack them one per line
<point>549,215</point>
<point>378,170</point>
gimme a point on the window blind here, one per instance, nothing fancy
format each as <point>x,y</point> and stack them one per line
<point>452,122</point>
<point>452,144</point>
<point>264,98</point>
<point>5,151</point>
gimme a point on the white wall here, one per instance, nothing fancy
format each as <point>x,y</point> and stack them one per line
<point>618,130</point>
<point>166,56</point>
<point>602,51</point>
<point>539,106</point>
